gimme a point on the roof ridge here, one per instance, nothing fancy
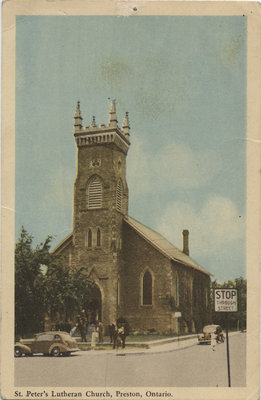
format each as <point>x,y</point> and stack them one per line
<point>187,260</point>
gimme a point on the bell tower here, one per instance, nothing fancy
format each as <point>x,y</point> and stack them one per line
<point>100,204</point>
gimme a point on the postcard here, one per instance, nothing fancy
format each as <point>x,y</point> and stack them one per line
<point>130,200</point>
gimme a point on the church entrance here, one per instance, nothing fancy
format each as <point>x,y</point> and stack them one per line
<point>92,304</point>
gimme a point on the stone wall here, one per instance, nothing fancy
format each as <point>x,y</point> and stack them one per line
<point>139,256</point>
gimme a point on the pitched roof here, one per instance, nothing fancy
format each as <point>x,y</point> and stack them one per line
<point>163,245</point>
<point>63,244</point>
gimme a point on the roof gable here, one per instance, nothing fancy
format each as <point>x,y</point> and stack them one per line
<point>63,244</point>
<point>163,245</point>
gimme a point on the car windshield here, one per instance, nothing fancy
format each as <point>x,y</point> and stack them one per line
<point>209,328</point>
<point>44,337</point>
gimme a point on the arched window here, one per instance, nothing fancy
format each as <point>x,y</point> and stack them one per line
<point>94,193</point>
<point>98,237</point>
<point>89,238</point>
<point>119,196</point>
<point>147,289</point>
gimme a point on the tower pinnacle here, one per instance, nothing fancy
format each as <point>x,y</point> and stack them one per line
<point>77,118</point>
<point>126,125</point>
<point>112,115</point>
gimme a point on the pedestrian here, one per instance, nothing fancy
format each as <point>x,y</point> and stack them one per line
<point>100,331</point>
<point>122,335</point>
<point>213,341</point>
<point>81,322</point>
<point>94,338</point>
<point>111,332</point>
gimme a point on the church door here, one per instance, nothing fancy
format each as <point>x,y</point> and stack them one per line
<point>93,305</point>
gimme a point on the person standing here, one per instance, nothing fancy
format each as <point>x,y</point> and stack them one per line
<point>213,341</point>
<point>100,330</point>
<point>81,319</point>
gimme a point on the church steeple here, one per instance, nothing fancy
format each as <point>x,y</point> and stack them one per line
<point>112,115</point>
<point>77,118</point>
<point>126,126</point>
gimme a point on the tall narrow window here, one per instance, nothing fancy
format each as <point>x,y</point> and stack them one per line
<point>119,196</point>
<point>176,283</point>
<point>94,193</point>
<point>89,238</point>
<point>147,289</point>
<point>118,292</point>
<point>206,296</point>
<point>98,237</point>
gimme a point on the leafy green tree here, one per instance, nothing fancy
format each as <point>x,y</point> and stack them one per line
<point>44,286</point>
<point>65,291</point>
<point>29,283</point>
<point>236,320</point>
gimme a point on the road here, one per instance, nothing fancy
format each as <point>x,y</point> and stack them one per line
<point>197,366</point>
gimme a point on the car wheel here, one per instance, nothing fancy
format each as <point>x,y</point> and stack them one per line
<point>55,352</point>
<point>17,352</point>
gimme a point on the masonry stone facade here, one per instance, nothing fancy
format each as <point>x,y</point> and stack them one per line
<point>136,273</point>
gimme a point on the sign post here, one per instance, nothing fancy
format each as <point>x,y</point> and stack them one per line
<point>226,301</point>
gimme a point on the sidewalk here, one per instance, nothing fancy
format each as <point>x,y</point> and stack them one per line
<point>155,346</point>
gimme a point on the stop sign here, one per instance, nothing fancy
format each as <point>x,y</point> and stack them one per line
<point>225,300</point>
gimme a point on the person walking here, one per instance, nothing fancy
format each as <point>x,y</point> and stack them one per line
<point>213,341</point>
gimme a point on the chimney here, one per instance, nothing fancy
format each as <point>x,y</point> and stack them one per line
<point>186,241</point>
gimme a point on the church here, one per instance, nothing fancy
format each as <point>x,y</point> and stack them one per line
<point>134,272</point>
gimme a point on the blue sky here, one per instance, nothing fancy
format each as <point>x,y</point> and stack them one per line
<point>183,81</point>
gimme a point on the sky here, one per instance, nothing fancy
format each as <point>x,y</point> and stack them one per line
<point>183,81</point>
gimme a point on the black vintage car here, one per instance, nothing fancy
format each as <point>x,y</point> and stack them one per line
<point>49,343</point>
<point>205,337</point>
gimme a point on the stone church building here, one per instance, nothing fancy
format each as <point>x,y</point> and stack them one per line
<point>134,272</point>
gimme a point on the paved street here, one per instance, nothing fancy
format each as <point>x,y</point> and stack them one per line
<point>170,366</point>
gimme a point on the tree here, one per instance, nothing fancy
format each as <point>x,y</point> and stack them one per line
<point>236,320</point>
<point>44,286</point>
<point>65,291</point>
<point>29,283</point>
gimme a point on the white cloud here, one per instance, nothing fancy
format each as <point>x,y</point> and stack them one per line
<point>215,228</point>
<point>184,168</point>
<point>175,165</point>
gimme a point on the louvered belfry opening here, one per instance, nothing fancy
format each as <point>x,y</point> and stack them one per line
<point>94,193</point>
<point>119,196</point>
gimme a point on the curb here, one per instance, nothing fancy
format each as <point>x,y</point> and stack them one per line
<point>152,350</point>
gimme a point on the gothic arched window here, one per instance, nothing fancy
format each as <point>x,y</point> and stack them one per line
<point>89,238</point>
<point>147,289</point>
<point>119,196</point>
<point>98,237</point>
<point>94,193</point>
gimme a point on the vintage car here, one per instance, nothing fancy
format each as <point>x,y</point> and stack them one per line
<point>205,337</point>
<point>49,343</point>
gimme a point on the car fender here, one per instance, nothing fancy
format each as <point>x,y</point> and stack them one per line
<point>61,346</point>
<point>25,349</point>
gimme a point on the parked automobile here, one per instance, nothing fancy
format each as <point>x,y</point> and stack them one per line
<point>205,337</point>
<point>51,343</point>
